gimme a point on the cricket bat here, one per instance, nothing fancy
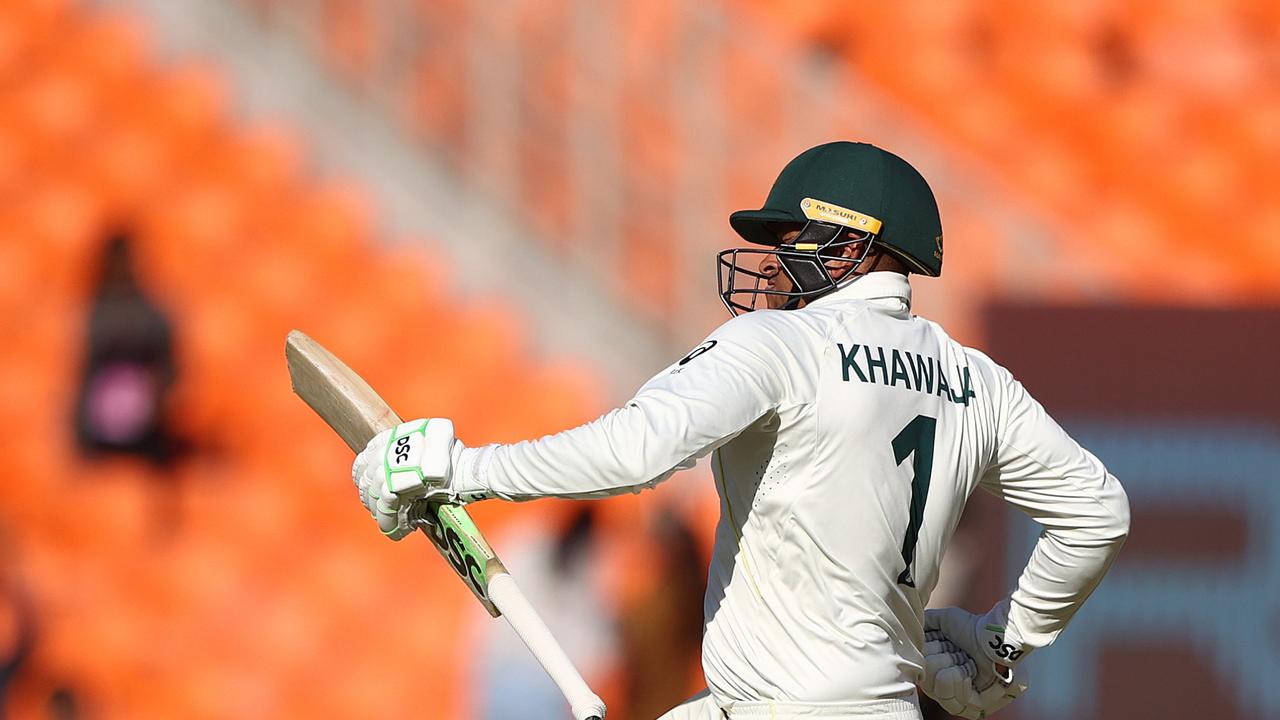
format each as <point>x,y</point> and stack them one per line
<point>355,412</point>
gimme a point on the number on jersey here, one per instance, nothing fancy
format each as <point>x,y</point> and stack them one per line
<point>917,437</point>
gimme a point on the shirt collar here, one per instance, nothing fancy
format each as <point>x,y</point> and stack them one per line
<point>873,286</point>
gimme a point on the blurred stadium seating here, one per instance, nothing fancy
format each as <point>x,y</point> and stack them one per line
<point>1139,165</point>
<point>1139,125</point>
<point>266,593</point>
<point>1082,150</point>
<point>623,132</point>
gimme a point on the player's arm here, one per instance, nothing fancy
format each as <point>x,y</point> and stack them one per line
<point>1044,473</point>
<point>732,379</point>
<point>735,377</point>
<point>1040,470</point>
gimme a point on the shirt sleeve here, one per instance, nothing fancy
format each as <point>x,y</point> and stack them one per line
<point>694,406</point>
<point>1041,471</point>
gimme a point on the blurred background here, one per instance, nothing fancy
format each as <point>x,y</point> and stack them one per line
<point>505,211</point>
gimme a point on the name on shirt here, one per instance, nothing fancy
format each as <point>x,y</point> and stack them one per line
<point>902,368</point>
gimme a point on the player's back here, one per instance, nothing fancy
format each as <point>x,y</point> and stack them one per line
<point>837,507</point>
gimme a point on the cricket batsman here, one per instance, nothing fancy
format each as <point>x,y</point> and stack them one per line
<point>845,435</point>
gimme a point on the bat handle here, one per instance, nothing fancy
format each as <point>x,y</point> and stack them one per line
<point>515,607</point>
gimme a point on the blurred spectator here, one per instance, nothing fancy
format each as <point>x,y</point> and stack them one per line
<point>17,636</point>
<point>17,626</point>
<point>28,687</point>
<point>662,631</point>
<point>63,705</point>
<point>129,366</point>
<point>559,574</point>
<point>128,372</point>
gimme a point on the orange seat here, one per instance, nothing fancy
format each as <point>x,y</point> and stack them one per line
<point>352,32</point>
<point>22,272</point>
<point>187,104</point>
<point>109,48</point>
<point>129,166</point>
<point>330,224</point>
<point>15,158</point>
<point>262,161</point>
<point>57,106</point>
<point>66,220</point>
<point>195,234</point>
<point>25,25</point>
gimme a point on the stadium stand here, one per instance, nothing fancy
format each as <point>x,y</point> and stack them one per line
<point>1161,162</point>
<point>1101,114</point>
<point>652,94</point>
<point>270,583</point>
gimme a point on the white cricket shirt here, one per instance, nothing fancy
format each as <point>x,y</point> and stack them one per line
<point>830,428</point>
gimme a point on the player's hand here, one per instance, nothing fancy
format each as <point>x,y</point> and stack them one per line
<point>410,462</point>
<point>949,677</point>
<point>983,637</point>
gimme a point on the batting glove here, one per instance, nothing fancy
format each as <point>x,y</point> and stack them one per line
<point>987,643</point>
<point>403,465</point>
<point>949,678</point>
<point>984,637</point>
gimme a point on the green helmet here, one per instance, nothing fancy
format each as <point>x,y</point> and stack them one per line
<point>833,188</point>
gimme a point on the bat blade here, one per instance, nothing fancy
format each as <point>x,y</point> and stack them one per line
<point>335,392</point>
<point>356,413</point>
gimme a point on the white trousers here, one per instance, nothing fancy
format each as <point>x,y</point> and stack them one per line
<point>703,707</point>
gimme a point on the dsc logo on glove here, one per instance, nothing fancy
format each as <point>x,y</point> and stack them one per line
<point>1004,650</point>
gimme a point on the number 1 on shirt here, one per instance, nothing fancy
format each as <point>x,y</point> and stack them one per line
<point>916,437</point>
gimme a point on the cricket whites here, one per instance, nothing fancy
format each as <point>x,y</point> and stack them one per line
<point>355,412</point>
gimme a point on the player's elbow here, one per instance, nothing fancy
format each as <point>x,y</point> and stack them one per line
<point>1115,504</point>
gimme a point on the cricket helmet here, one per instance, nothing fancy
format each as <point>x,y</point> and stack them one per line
<point>839,193</point>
